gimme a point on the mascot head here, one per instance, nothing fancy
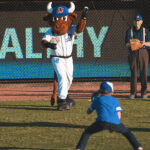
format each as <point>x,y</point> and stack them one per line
<point>60,17</point>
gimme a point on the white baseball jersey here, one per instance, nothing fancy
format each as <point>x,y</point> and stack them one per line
<point>64,42</point>
<point>62,66</point>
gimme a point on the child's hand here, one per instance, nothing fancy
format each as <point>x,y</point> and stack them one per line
<point>94,95</point>
<point>88,111</point>
<point>110,130</point>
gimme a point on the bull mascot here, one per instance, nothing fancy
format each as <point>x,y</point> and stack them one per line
<point>59,38</point>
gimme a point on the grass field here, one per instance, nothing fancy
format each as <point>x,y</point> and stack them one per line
<point>34,125</point>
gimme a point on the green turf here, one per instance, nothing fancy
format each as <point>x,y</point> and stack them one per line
<point>34,125</point>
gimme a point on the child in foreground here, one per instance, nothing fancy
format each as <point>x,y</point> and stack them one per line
<point>109,114</point>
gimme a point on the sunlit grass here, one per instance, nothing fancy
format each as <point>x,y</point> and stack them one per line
<point>34,125</point>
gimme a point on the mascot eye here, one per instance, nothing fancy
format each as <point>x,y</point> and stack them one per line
<point>64,18</point>
<point>55,19</point>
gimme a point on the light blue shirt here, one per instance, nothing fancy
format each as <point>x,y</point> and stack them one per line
<point>106,108</point>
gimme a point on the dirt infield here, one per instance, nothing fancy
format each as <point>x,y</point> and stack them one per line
<point>43,91</point>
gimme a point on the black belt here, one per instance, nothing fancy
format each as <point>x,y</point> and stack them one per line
<point>61,56</point>
<point>144,47</point>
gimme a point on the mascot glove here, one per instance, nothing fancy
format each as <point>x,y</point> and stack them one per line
<point>53,46</point>
<point>84,12</point>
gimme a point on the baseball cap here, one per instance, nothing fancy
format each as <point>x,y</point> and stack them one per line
<point>106,86</point>
<point>59,11</point>
<point>138,17</point>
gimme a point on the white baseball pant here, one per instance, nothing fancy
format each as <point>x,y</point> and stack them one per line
<point>64,70</point>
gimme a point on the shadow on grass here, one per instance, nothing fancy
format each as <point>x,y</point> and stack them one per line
<point>140,129</point>
<point>29,107</point>
<point>146,99</point>
<point>121,96</point>
<point>7,148</point>
<point>146,122</point>
<point>39,124</point>
<point>52,124</point>
<point>24,95</point>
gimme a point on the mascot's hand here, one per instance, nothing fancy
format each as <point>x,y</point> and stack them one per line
<point>53,46</point>
<point>84,12</point>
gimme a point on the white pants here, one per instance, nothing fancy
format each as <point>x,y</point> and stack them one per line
<point>64,70</point>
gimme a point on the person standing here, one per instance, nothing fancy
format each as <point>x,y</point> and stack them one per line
<point>108,110</point>
<point>138,58</point>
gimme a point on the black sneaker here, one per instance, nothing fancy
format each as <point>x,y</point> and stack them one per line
<point>144,96</point>
<point>62,104</point>
<point>132,96</point>
<point>140,148</point>
<point>70,101</point>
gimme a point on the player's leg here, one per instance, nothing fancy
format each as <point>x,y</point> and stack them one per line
<point>95,127</point>
<point>143,63</point>
<point>60,69</point>
<point>127,133</point>
<point>69,73</point>
<point>133,62</point>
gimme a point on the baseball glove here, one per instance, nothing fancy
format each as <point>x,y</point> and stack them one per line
<point>135,44</point>
<point>95,95</point>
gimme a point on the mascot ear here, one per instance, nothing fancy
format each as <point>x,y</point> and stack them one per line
<point>47,17</point>
<point>72,16</point>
